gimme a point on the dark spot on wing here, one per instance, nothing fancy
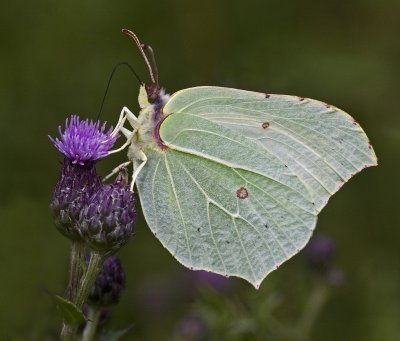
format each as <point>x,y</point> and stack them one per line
<point>242,193</point>
<point>267,95</point>
<point>265,125</point>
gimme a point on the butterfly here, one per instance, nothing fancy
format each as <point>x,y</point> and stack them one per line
<point>232,181</point>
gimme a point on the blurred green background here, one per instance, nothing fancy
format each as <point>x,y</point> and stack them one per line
<point>55,60</point>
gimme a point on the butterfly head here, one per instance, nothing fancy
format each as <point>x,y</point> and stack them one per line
<point>153,91</point>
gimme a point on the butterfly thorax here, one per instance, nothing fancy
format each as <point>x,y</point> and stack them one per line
<point>150,118</point>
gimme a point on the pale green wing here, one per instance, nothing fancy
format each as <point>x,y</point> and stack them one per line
<point>238,190</point>
<point>322,145</point>
<point>192,206</point>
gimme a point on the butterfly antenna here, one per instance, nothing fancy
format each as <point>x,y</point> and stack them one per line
<point>139,45</point>
<point>152,59</point>
<point>109,82</point>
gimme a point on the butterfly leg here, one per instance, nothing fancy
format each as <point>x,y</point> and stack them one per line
<point>129,135</point>
<point>116,170</point>
<point>143,158</point>
<point>123,116</point>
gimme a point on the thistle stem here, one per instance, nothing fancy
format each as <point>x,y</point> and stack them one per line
<point>91,324</point>
<point>75,276</point>
<point>75,270</point>
<point>96,262</point>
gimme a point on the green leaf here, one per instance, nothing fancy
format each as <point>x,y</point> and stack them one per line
<point>71,314</point>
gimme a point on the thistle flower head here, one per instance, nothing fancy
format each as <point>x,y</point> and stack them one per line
<point>75,186</point>
<point>106,222</point>
<point>109,284</point>
<point>84,141</point>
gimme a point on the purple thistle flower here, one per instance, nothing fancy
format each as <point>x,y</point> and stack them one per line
<point>106,222</point>
<point>109,284</point>
<point>84,141</point>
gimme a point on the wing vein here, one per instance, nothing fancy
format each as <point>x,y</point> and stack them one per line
<point>292,121</point>
<point>224,163</point>
<point>179,208</point>
<point>275,199</point>
<point>208,212</point>
<point>243,248</point>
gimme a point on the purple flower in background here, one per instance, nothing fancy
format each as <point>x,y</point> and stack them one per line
<point>213,280</point>
<point>84,141</point>
<point>320,252</point>
<point>109,284</point>
<point>192,328</point>
<point>107,220</point>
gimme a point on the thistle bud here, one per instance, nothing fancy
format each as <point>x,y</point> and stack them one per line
<point>106,222</point>
<point>109,284</point>
<point>73,189</point>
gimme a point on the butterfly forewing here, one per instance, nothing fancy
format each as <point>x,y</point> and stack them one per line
<point>322,145</point>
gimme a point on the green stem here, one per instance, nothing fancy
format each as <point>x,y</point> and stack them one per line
<point>95,264</point>
<point>311,310</point>
<point>91,324</point>
<point>75,276</point>
<point>75,270</point>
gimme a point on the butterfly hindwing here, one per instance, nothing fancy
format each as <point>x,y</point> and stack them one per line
<point>220,218</point>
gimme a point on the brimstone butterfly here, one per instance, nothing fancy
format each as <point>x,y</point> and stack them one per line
<point>232,181</point>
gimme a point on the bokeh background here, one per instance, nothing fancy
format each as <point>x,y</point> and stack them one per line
<point>56,58</point>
